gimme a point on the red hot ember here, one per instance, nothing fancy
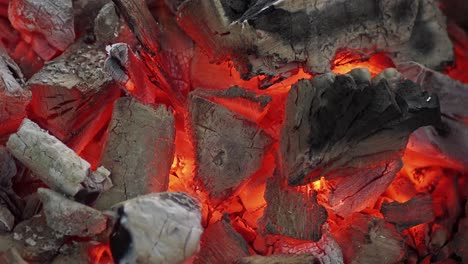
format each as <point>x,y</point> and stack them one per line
<point>248,132</point>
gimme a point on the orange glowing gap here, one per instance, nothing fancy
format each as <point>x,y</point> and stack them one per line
<point>100,254</point>
<point>346,61</point>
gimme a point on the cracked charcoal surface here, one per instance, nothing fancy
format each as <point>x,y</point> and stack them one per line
<point>156,228</point>
<point>229,147</point>
<point>334,122</point>
<point>139,151</point>
<point>268,37</point>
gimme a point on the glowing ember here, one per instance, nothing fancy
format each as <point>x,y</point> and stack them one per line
<point>99,254</point>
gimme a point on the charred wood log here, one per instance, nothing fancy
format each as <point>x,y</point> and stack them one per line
<point>13,97</point>
<point>344,121</point>
<point>352,190</point>
<point>221,243</point>
<point>156,228</point>
<point>291,212</point>
<point>280,259</point>
<point>229,147</point>
<point>69,217</point>
<point>71,92</point>
<point>51,160</point>
<point>365,239</point>
<point>48,24</point>
<point>139,150</point>
<point>450,141</point>
<point>416,211</point>
<point>273,37</point>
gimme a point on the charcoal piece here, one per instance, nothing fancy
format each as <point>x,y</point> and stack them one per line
<point>69,217</point>
<point>156,228</point>
<point>12,256</point>
<point>141,22</point>
<point>73,95</point>
<point>128,70</point>
<point>85,12</point>
<point>139,150</point>
<point>51,160</point>
<point>107,24</point>
<point>366,239</point>
<point>326,250</point>
<point>280,259</point>
<point>35,241</point>
<point>291,212</point>
<point>460,240</point>
<point>416,211</point>
<point>7,168</point>
<point>49,22</point>
<point>271,37</point>
<point>352,190</point>
<point>75,253</point>
<point>13,96</point>
<point>221,243</point>
<point>450,141</point>
<point>166,50</point>
<point>229,147</point>
<point>333,122</point>
<point>7,220</point>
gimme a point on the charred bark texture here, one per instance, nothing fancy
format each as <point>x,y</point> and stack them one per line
<point>229,147</point>
<point>51,160</point>
<point>272,37</point>
<point>291,212</point>
<point>139,150</point>
<point>221,243</point>
<point>334,122</point>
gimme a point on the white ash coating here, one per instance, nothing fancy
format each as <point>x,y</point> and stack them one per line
<point>69,217</point>
<point>164,228</point>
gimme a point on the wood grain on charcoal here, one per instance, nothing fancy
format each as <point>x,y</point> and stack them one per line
<point>220,243</point>
<point>417,210</point>
<point>50,160</point>
<point>352,190</point>
<point>229,147</point>
<point>271,37</point>
<point>139,150</point>
<point>156,228</point>
<point>292,213</point>
<point>71,92</point>
<point>345,121</point>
